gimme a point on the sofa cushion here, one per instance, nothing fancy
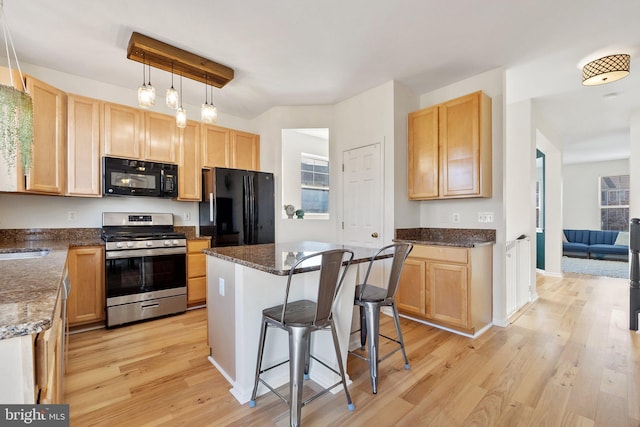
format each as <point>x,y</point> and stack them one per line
<point>602,237</point>
<point>577,236</point>
<point>622,239</point>
<point>575,247</point>
<point>608,249</point>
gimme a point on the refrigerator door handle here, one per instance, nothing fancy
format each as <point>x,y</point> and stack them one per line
<point>252,209</point>
<point>211,207</point>
<point>245,210</point>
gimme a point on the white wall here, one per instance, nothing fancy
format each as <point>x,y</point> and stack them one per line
<point>580,196</point>
<point>270,125</point>
<point>365,119</point>
<point>438,213</point>
<point>634,164</point>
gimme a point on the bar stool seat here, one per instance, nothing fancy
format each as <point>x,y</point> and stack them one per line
<point>371,299</point>
<point>300,318</point>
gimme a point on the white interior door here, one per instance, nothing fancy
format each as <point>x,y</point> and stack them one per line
<point>363,196</point>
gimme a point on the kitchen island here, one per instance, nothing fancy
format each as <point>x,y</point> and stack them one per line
<point>244,280</point>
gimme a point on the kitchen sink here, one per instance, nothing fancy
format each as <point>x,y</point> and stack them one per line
<point>22,253</point>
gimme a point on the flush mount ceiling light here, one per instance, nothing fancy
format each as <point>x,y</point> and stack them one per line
<point>606,69</point>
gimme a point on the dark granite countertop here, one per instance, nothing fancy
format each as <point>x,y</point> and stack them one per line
<point>277,258</point>
<point>29,287</point>
<point>458,237</point>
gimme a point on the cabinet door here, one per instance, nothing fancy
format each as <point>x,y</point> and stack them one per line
<point>447,286</point>
<point>460,146</point>
<point>122,131</point>
<point>83,146</point>
<point>216,145</point>
<point>160,135</point>
<point>196,272</point>
<point>423,154</point>
<point>46,174</point>
<point>86,302</point>
<point>410,297</point>
<point>245,151</point>
<point>189,168</point>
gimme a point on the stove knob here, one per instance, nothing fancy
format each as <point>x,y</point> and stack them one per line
<point>175,242</point>
<point>149,243</point>
<point>129,244</point>
<point>118,244</point>
<point>167,243</point>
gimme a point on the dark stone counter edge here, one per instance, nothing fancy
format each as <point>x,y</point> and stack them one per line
<point>451,244</point>
<point>273,270</point>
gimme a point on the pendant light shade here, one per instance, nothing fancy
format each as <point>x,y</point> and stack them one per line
<point>146,92</point>
<point>172,94</point>
<point>208,113</point>
<point>606,70</point>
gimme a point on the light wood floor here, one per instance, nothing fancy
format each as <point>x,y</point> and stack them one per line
<point>568,360</point>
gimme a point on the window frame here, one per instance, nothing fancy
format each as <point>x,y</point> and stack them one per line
<point>315,215</point>
<point>617,206</point>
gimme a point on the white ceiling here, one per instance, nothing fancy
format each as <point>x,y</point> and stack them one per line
<point>312,52</point>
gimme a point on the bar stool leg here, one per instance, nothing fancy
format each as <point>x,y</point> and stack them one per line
<point>373,330</point>
<point>396,320</point>
<point>263,336</point>
<point>298,345</point>
<point>336,345</point>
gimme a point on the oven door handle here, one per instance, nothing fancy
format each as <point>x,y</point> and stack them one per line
<point>138,253</point>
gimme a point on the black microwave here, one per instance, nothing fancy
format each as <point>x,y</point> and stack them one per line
<point>126,177</point>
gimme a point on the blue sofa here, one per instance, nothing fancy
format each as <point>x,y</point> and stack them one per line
<point>596,244</point>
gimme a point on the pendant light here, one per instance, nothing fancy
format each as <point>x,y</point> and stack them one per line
<point>214,109</point>
<point>181,113</point>
<point>146,92</point>
<point>172,94</point>
<point>207,112</point>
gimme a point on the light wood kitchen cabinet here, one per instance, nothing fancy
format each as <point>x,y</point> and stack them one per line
<point>245,150</point>
<point>196,272</point>
<point>47,172</point>
<point>448,286</point>
<point>83,147</point>
<point>229,148</point>
<point>450,149</point>
<point>160,136</point>
<point>189,168</point>
<point>86,302</point>
<point>216,146</point>
<point>122,131</point>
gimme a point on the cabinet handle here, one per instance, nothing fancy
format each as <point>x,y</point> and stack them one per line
<point>374,235</point>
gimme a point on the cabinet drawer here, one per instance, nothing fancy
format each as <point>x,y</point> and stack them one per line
<point>440,253</point>
<point>196,289</point>
<point>195,246</point>
<point>196,265</point>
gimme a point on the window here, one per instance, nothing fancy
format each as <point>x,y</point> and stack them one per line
<point>614,202</point>
<point>314,184</point>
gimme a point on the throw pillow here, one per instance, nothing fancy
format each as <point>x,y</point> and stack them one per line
<point>564,238</point>
<point>622,239</point>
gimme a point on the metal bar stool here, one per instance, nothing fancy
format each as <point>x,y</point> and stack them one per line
<point>370,299</point>
<point>300,319</point>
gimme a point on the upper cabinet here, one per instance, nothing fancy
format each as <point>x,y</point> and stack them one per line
<point>216,145</point>
<point>160,134</point>
<point>245,150</point>
<point>222,147</point>
<point>122,131</point>
<point>83,146</point>
<point>189,168</point>
<point>47,171</point>
<point>450,149</point>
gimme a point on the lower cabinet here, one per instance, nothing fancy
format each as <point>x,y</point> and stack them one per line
<point>86,303</point>
<point>448,286</point>
<point>196,272</point>
<point>48,360</point>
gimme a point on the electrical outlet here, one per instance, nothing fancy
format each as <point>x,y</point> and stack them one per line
<point>186,216</point>
<point>72,215</point>
<point>221,286</point>
<point>455,217</point>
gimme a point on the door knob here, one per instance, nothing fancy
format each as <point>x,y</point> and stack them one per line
<point>374,235</point>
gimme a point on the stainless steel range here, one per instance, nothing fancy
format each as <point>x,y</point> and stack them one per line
<point>145,266</point>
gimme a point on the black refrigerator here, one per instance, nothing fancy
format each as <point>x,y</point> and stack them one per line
<point>238,207</point>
